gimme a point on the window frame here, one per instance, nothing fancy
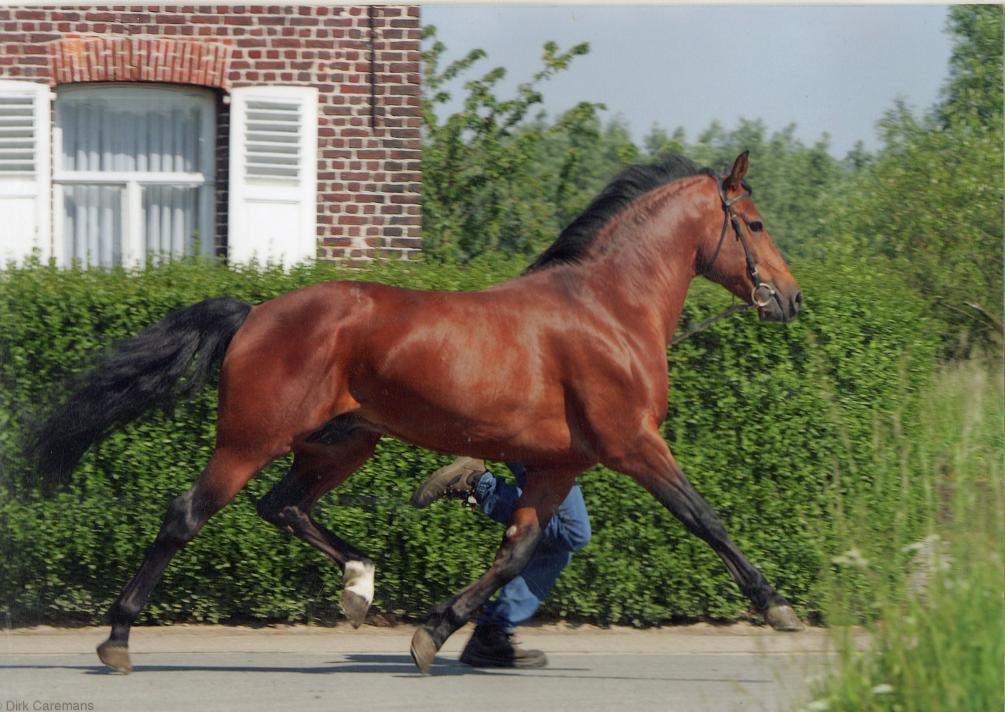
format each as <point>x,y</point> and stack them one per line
<point>133,182</point>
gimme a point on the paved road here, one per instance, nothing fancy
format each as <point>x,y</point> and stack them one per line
<point>304,668</point>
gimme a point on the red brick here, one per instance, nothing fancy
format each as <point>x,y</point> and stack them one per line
<point>99,17</point>
<point>410,242</point>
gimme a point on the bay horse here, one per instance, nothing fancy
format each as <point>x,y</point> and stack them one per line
<point>560,369</point>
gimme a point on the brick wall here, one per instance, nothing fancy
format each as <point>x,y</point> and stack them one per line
<point>365,62</point>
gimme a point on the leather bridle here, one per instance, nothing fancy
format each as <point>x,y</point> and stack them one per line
<point>763,292</point>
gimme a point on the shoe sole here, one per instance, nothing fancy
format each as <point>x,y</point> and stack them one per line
<point>521,664</point>
<point>429,493</point>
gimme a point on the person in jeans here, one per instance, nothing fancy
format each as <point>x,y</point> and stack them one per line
<point>492,644</point>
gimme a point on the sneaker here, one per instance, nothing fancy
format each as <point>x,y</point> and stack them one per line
<point>491,646</point>
<point>455,481</point>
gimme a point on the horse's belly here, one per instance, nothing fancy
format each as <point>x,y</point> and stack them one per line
<point>492,428</point>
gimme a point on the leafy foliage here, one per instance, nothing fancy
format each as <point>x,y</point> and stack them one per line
<point>974,90</point>
<point>931,202</point>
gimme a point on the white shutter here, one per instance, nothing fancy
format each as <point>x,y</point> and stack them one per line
<point>24,170</point>
<point>273,174</point>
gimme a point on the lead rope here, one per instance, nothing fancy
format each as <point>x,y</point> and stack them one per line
<point>705,323</point>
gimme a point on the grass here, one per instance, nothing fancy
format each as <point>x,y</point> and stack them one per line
<point>930,595</point>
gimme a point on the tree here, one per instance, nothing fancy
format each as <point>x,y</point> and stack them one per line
<point>794,184</point>
<point>659,143</point>
<point>931,202</point>
<point>585,154</point>
<point>482,191</point>
<point>974,89</point>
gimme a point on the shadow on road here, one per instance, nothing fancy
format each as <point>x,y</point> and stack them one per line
<point>396,665</point>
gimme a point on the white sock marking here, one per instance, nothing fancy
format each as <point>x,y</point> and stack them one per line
<point>359,579</point>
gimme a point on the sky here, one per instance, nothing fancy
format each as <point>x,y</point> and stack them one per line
<point>833,69</point>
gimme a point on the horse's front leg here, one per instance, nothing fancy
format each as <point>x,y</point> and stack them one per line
<point>542,496</point>
<point>650,463</point>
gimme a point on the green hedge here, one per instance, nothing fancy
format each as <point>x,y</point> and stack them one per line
<point>775,424</point>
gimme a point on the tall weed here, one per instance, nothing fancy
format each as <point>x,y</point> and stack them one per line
<point>933,606</point>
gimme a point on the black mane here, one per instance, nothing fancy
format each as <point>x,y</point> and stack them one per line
<point>625,188</point>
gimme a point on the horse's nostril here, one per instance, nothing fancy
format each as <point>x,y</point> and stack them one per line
<point>797,301</point>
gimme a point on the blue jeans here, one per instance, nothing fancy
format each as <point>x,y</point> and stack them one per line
<point>567,531</point>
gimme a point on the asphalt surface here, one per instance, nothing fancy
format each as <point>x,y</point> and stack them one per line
<point>304,668</point>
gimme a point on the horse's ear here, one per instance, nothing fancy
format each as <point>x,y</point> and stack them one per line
<point>734,180</point>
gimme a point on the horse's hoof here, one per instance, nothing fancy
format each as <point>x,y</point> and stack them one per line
<point>782,617</point>
<point>355,608</point>
<point>115,656</point>
<point>358,592</point>
<point>423,650</point>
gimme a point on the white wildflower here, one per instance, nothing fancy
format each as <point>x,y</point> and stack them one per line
<point>927,544</point>
<point>929,557</point>
<point>883,689</point>
<point>853,558</point>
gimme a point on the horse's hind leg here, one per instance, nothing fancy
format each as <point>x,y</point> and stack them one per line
<point>541,498</point>
<point>317,468</point>
<point>653,466</point>
<point>224,476</point>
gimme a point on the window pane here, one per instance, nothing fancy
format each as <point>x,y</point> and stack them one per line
<point>126,130</point>
<point>170,217</point>
<point>92,224</point>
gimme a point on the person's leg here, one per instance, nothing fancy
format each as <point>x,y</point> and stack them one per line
<point>467,477</point>
<point>568,530</point>
<point>518,601</point>
<point>492,644</point>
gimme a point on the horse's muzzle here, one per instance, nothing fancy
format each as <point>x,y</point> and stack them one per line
<point>779,307</point>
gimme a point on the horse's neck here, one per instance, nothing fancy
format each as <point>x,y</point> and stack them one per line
<point>644,267</point>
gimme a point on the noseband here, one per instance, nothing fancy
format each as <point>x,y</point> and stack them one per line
<point>763,292</point>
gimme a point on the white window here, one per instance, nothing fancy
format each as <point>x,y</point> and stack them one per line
<point>133,169</point>
<point>134,173</point>
<point>24,170</point>
<point>273,174</point>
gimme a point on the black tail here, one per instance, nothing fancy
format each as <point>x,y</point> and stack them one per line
<point>163,363</point>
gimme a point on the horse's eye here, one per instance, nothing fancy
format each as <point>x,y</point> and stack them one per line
<point>756,226</point>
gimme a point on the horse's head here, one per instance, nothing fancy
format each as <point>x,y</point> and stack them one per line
<point>737,252</point>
